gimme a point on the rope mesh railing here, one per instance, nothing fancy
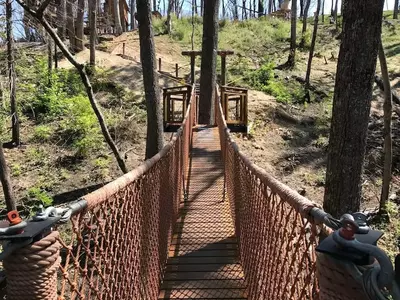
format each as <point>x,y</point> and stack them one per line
<point>277,237</point>
<point>118,246</point>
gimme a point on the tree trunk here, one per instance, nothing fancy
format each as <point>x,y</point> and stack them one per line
<point>133,11</point>
<point>85,80</point>
<point>250,10</point>
<point>244,10</point>
<point>93,31</point>
<point>71,24</point>
<point>122,16</point>
<point>6,182</point>
<point>117,18</point>
<point>387,130</point>
<point>304,30</point>
<point>335,12</point>
<point>332,8</point>
<point>154,140</point>
<point>351,105</point>
<point>55,57</point>
<point>323,11</point>
<point>292,54</point>
<point>260,8</point>
<point>62,19</point>
<point>49,59</point>
<point>27,28</point>
<point>314,38</point>
<point>12,75</point>
<point>169,17</point>
<point>235,10</point>
<point>154,5</point>
<point>302,7</point>
<point>192,36</point>
<point>396,9</point>
<point>208,62</point>
<point>201,7</point>
<point>79,25</point>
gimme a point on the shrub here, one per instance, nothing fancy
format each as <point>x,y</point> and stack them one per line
<point>38,194</point>
<point>159,26</point>
<point>178,34</point>
<point>278,90</point>
<point>81,126</point>
<point>42,133</point>
<point>222,23</point>
<point>260,77</point>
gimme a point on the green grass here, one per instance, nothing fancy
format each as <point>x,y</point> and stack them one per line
<point>390,224</point>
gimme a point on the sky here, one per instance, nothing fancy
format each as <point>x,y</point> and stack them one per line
<point>389,4</point>
<point>18,30</point>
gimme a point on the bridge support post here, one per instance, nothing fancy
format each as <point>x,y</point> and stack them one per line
<point>194,53</point>
<point>192,66</point>
<point>223,69</point>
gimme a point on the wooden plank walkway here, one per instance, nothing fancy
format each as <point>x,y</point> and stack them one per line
<point>203,259</point>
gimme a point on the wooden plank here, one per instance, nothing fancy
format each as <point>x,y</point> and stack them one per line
<point>204,253</point>
<point>202,260</point>
<point>204,268</point>
<point>203,257</point>
<point>198,275</point>
<point>203,284</point>
<point>202,294</point>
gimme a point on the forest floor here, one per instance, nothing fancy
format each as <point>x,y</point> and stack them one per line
<point>292,150</point>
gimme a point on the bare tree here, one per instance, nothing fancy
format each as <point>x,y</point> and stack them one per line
<point>154,139</point>
<point>396,9</point>
<point>62,19</point>
<point>244,10</point>
<point>351,105</point>
<point>302,8</point>
<point>15,142</point>
<point>93,30</point>
<point>133,11</point>
<point>70,24</point>
<point>49,58</point>
<point>335,13</point>
<point>304,29</point>
<point>209,61</point>
<point>169,17</point>
<point>38,15</point>
<point>79,26</point>
<point>6,182</point>
<point>314,38</point>
<point>235,10</point>
<point>260,8</point>
<point>292,54</point>
<point>323,12</point>
<point>387,130</point>
<point>117,18</point>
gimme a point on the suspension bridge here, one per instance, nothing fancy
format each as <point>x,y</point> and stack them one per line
<point>196,221</point>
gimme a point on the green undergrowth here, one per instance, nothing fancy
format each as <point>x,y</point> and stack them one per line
<point>389,222</point>
<point>63,146</point>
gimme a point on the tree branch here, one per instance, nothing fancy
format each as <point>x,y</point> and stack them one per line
<point>27,9</point>
<point>42,7</point>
